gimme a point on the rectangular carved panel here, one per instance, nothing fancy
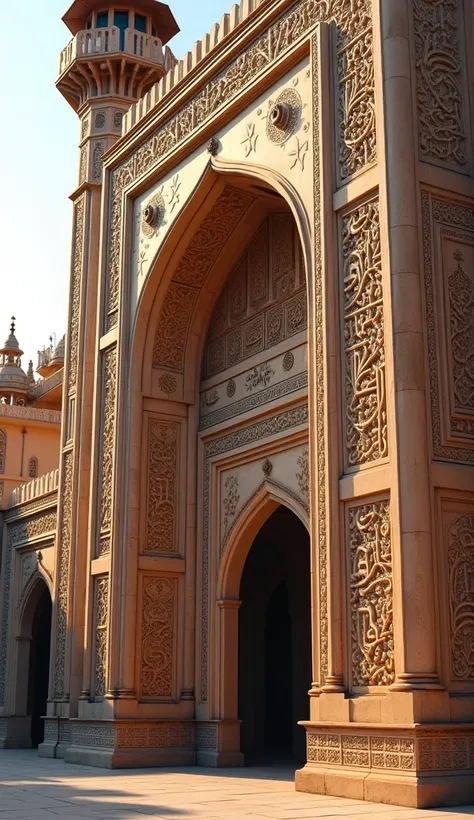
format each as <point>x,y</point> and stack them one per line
<point>363,331</point>
<point>457,589</point>
<point>158,631</point>
<point>109,389</point>
<point>441,83</point>
<point>101,619</point>
<point>163,453</point>
<point>371,596</point>
<point>448,242</point>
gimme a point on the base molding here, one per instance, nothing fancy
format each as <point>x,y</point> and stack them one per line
<point>419,766</point>
<point>15,732</point>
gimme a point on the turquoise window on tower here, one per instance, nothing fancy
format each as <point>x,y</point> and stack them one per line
<point>140,23</point>
<point>102,19</point>
<point>121,21</point>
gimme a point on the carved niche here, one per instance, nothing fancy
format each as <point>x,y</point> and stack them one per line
<point>158,637</point>
<point>75,299</point>
<point>262,303</point>
<point>441,81</point>
<point>364,344</point>
<point>163,450</point>
<point>371,595</point>
<point>461,597</point>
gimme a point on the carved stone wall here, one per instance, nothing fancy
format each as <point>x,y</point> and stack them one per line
<point>444,136</point>
<point>162,480</point>
<point>448,244</point>
<point>263,301</point>
<point>159,606</point>
<point>364,344</point>
<point>371,594</point>
<point>460,566</point>
<point>101,618</point>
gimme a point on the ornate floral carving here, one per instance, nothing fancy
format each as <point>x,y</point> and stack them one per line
<point>439,31</point>
<point>168,384</point>
<point>231,388</point>
<point>379,752</point>
<point>33,467</point>
<point>194,267</point>
<point>250,139</point>
<point>64,548</point>
<point>74,308</point>
<point>29,565</point>
<point>461,597</point>
<point>158,628</point>
<point>101,617</point>
<point>109,386</point>
<point>163,448</point>
<point>461,303</point>
<point>99,120</point>
<point>97,154</point>
<point>371,595</point>
<point>365,393</point>
<point>267,467</point>
<point>288,361</point>
<point>230,501</point>
<point>303,476</point>
<point>3,451</point>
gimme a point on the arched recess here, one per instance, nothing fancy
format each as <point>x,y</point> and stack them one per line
<point>32,661</point>
<point>249,523</point>
<point>168,390</point>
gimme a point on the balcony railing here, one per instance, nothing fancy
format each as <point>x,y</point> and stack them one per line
<point>108,41</point>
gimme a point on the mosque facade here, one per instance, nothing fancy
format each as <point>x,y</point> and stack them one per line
<point>259,544</point>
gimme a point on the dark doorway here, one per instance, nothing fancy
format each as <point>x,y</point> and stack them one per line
<point>275,642</point>
<point>39,667</point>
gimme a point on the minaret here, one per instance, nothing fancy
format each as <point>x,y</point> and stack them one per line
<point>114,58</point>
<point>13,379</point>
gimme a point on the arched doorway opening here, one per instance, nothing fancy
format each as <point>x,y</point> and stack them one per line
<point>275,641</point>
<point>37,623</point>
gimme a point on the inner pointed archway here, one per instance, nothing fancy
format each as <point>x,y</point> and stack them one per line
<point>274,641</point>
<point>36,632</point>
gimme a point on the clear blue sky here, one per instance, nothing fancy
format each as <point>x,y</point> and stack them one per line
<point>38,146</point>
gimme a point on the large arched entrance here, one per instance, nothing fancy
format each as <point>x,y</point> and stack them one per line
<point>33,663</point>
<point>274,641</point>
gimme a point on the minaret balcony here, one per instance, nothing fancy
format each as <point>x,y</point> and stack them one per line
<point>100,41</point>
<point>109,60</point>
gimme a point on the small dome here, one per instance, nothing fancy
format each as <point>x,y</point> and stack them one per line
<point>11,344</point>
<point>58,353</point>
<point>13,378</point>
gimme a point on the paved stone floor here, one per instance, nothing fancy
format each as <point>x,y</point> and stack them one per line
<point>32,787</point>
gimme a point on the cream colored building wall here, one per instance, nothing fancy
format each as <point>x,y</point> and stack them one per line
<point>30,433</point>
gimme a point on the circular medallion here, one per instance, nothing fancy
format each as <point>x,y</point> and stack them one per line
<point>288,360</point>
<point>152,214</point>
<point>231,388</point>
<point>283,117</point>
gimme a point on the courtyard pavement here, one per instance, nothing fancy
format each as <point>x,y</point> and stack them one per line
<point>33,787</point>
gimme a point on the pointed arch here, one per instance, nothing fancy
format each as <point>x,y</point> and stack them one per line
<point>267,498</point>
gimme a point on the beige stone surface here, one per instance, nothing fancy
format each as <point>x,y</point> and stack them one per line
<point>40,788</point>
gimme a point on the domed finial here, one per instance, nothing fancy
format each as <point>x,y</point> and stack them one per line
<point>12,326</point>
